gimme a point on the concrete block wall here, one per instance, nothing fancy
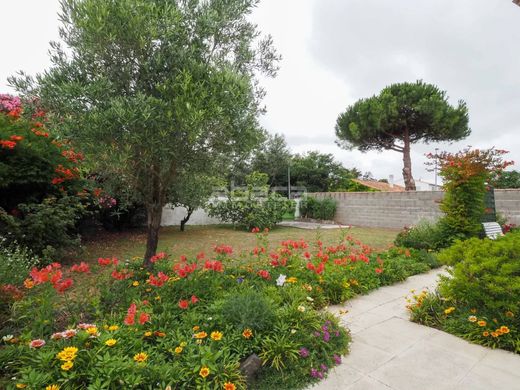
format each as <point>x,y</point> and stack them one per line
<point>172,216</point>
<point>399,209</point>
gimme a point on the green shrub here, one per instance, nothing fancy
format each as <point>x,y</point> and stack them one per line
<point>255,207</point>
<point>250,309</point>
<point>323,209</point>
<point>480,300</point>
<point>425,235</point>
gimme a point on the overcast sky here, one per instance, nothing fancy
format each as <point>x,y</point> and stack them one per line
<point>337,51</point>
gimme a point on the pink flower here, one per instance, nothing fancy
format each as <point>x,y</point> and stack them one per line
<point>194,299</point>
<point>38,343</point>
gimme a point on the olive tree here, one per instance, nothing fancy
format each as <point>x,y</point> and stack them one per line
<point>151,88</point>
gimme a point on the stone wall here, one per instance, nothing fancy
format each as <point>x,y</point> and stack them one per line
<point>399,209</point>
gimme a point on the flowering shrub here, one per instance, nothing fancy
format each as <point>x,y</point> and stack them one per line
<point>480,301</point>
<point>465,174</point>
<point>41,191</point>
<point>191,322</point>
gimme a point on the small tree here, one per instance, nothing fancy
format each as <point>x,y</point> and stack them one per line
<point>402,114</point>
<point>150,88</point>
<point>273,158</point>
<point>192,192</point>
<point>465,175</point>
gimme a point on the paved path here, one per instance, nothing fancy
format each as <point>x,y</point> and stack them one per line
<point>311,225</point>
<point>388,352</point>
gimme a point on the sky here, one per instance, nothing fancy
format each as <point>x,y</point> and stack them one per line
<point>338,51</point>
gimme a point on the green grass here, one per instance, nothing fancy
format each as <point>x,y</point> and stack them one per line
<point>203,238</point>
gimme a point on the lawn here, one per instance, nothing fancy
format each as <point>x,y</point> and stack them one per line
<point>203,238</point>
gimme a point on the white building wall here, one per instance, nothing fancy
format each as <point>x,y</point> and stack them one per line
<point>172,217</point>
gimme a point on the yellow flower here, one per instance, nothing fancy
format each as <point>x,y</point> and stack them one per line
<point>229,386</point>
<point>178,350</point>
<point>485,334</point>
<point>158,298</point>
<point>201,335</point>
<point>135,283</point>
<point>449,310</point>
<point>204,372</point>
<point>482,323</point>
<point>504,329</point>
<point>93,331</point>
<point>473,311</point>
<point>21,385</point>
<point>292,279</point>
<point>111,342</point>
<point>183,344</point>
<point>247,333</point>
<point>196,328</point>
<point>301,308</point>
<point>67,365</point>
<point>147,333</point>
<point>216,336</point>
<point>113,327</point>
<point>141,357</point>
<point>148,289</point>
<point>472,319</point>
<point>509,314</point>
<point>68,354</point>
<point>52,387</point>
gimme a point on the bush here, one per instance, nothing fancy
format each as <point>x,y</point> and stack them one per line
<point>480,300</point>
<point>425,235</point>
<point>249,310</point>
<point>323,209</point>
<point>255,207</point>
<point>41,193</point>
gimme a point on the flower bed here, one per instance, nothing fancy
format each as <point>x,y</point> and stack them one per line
<point>191,323</point>
<point>480,301</point>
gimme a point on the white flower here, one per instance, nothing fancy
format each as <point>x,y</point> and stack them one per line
<point>293,331</point>
<point>301,308</point>
<point>281,280</point>
<point>310,299</point>
<point>7,338</point>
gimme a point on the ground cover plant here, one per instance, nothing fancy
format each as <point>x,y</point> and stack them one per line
<point>480,299</point>
<point>192,320</point>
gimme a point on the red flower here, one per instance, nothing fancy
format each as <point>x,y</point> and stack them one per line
<point>194,299</point>
<point>255,230</point>
<point>16,138</point>
<point>81,267</point>
<point>158,256</point>
<point>200,256</point>
<point>103,262</point>
<point>264,274</point>
<point>183,304</point>
<point>7,144</point>
<point>213,265</point>
<point>143,318</point>
<point>379,270</point>
<point>64,285</point>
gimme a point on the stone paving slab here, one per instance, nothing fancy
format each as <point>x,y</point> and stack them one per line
<point>388,352</point>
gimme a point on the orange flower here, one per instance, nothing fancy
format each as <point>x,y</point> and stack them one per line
<point>140,357</point>
<point>201,335</point>
<point>494,334</point>
<point>229,386</point>
<point>509,314</point>
<point>247,333</point>
<point>504,329</point>
<point>482,323</point>
<point>485,334</point>
<point>204,372</point>
<point>28,283</point>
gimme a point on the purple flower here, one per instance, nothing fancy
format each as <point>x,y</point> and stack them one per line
<point>320,374</point>
<point>316,334</point>
<point>304,352</point>
<point>240,279</point>
<point>325,328</point>
<point>324,367</point>
<point>337,359</point>
<point>337,333</point>
<point>314,373</point>
<point>326,336</point>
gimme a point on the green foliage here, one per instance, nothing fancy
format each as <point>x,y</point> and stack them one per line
<point>400,115</point>
<point>178,91</point>
<point>319,172</point>
<point>507,179</point>
<point>273,158</point>
<point>254,206</point>
<point>47,228</point>
<point>480,300</point>
<point>323,209</point>
<point>425,235</point>
<point>15,263</point>
<point>250,309</point>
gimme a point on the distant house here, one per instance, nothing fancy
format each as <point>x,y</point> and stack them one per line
<point>379,185</point>
<point>422,185</point>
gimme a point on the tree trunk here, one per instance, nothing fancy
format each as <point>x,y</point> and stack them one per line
<point>186,218</point>
<point>407,163</point>
<point>154,213</point>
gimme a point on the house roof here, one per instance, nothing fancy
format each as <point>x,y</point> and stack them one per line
<point>380,186</point>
